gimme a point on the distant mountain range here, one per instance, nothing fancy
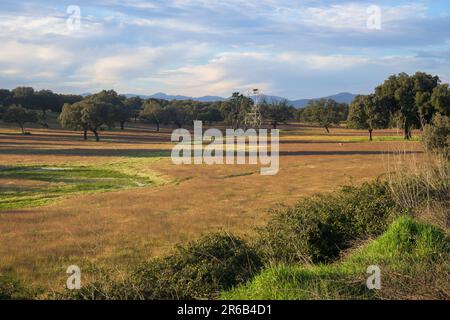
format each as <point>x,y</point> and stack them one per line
<point>343,97</point>
<point>164,96</point>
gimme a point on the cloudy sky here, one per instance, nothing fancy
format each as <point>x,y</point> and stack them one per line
<point>295,49</point>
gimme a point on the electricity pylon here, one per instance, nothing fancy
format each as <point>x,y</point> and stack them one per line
<point>253,118</point>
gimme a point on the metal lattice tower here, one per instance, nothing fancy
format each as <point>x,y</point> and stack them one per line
<point>253,118</point>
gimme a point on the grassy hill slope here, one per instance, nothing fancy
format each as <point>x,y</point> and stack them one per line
<point>410,248</point>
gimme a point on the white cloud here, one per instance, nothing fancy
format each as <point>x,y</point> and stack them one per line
<point>32,60</point>
<point>170,24</point>
<point>354,16</point>
<point>198,47</point>
<point>40,27</point>
<point>316,61</point>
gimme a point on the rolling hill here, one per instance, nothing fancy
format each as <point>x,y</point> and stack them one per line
<point>343,97</point>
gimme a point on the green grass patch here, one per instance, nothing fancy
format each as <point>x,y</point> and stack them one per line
<point>408,247</point>
<point>37,185</point>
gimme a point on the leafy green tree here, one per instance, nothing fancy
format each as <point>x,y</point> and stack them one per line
<point>2,111</point>
<point>342,110</point>
<point>405,97</point>
<point>92,112</point>
<point>5,96</point>
<point>96,114</point>
<point>210,113</point>
<point>23,96</point>
<point>135,105</point>
<point>122,114</point>
<point>440,99</point>
<point>424,85</point>
<point>235,109</point>
<point>323,112</point>
<point>68,98</point>
<point>105,108</point>
<point>366,114</point>
<point>71,117</point>
<point>408,98</point>
<point>153,112</point>
<point>425,109</point>
<point>276,111</point>
<point>20,116</point>
<point>46,100</point>
<point>178,113</point>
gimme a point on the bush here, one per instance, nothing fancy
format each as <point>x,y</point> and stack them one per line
<point>199,270</point>
<point>317,229</point>
<point>436,136</point>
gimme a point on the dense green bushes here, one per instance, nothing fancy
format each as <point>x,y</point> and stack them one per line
<point>317,229</point>
<point>199,270</point>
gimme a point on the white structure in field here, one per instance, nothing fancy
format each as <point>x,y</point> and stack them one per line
<point>253,118</point>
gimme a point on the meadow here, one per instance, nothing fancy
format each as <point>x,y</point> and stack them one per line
<point>120,201</point>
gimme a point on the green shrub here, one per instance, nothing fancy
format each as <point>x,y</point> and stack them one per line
<point>318,229</point>
<point>199,270</point>
<point>12,289</point>
<point>436,136</point>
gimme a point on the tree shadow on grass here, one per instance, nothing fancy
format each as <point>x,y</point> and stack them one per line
<point>132,153</point>
<point>346,153</point>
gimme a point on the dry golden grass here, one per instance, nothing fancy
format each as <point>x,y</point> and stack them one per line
<point>124,227</point>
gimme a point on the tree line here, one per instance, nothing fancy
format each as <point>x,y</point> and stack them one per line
<point>107,108</point>
<point>21,105</point>
<point>402,101</point>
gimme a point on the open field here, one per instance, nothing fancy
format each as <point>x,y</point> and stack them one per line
<point>121,200</point>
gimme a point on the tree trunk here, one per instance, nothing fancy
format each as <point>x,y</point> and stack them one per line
<point>274,124</point>
<point>157,126</point>
<point>326,128</point>
<point>406,133</point>
<point>370,135</point>
<point>22,127</point>
<point>122,125</point>
<point>44,118</point>
<point>422,120</point>
<point>97,138</point>
<point>85,134</point>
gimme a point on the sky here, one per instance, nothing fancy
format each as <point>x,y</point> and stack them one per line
<point>295,49</point>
